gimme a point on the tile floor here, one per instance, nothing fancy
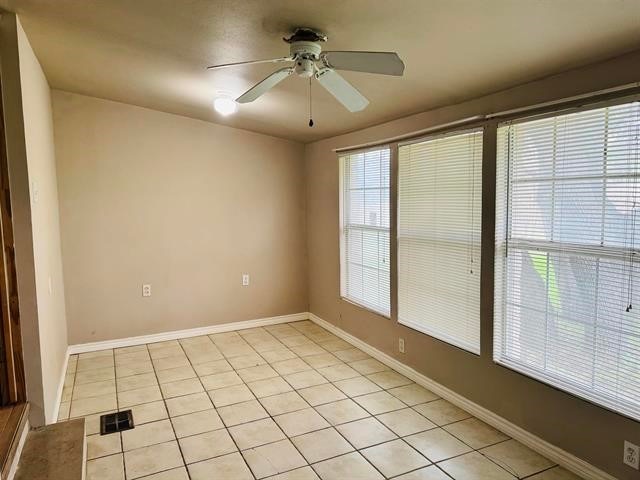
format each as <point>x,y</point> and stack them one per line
<point>289,401</point>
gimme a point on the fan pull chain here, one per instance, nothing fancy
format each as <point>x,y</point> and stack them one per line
<point>631,259</point>
<point>310,110</point>
<point>630,283</point>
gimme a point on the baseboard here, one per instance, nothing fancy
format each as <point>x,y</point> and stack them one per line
<point>161,337</point>
<point>553,453</point>
<point>63,375</point>
<point>191,332</point>
<point>16,458</point>
<point>13,437</point>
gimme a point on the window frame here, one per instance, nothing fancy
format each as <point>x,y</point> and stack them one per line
<point>502,245</point>
<point>343,270</point>
<point>489,210</point>
<point>472,128</point>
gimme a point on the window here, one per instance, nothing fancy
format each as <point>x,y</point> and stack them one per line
<point>566,256</point>
<point>364,207</point>
<point>439,214</point>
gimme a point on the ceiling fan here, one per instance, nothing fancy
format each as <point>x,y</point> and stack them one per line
<point>309,61</point>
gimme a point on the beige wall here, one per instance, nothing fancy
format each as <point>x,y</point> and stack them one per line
<point>579,427</point>
<point>21,212</point>
<point>32,176</point>
<point>184,205</point>
<point>41,164</point>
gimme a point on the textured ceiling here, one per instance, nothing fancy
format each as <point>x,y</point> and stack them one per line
<point>153,53</point>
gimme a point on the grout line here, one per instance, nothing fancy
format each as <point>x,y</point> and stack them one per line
<point>541,471</point>
<point>115,381</point>
<point>265,396</point>
<point>270,417</point>
<point>162,471</point>
<point>331,426</point>
<point>164,401</point>
<point>356,450</point>
<point>409,406</point>
<point>73,386</point>
<point>286,437</point>
<point>314,407</point>
<point>370,416</point>
<point>442,470</point>
<point>494,461</point>
<point>431,464</point>
<point>215,410</point>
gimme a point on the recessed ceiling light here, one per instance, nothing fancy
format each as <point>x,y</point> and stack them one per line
<point>225,105</point>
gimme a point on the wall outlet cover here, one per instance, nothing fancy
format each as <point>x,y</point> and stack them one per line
<point>631,455</point>
<point>146,290</point>
<point>401,345</point>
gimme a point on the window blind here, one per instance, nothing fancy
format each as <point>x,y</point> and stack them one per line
<point>439,220</point>
<point>364,206</point>
<point>567,275</point>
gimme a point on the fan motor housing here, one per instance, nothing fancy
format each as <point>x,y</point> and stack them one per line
<point>305,54</point>
<point>309,50</point>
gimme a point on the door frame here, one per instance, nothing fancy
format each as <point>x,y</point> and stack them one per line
<point>13,377</point>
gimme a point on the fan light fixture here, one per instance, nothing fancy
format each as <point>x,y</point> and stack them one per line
<point>309,61</point>
<point>225,105</point>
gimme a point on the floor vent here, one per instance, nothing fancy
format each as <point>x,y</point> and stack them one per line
<point>116,422</point>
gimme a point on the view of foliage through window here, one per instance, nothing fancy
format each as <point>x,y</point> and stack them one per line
<point>567,274</point>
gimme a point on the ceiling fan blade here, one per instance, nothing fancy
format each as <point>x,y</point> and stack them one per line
<point>342,90</point>
<point>265,85</point>
<point>252,62</point>
<point>385,63</point>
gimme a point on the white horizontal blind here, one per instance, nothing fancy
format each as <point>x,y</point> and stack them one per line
<point>365,256</point>
<point>567,238</point>
<point>439,220</point>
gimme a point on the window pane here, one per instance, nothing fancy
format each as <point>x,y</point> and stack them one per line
<point>567,275</point>
<point>439,237</point>
<point>365,228</point>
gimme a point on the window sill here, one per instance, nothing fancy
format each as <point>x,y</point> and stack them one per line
<point>367,308</point>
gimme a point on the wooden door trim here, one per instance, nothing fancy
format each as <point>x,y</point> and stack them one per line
<point>9,303</point>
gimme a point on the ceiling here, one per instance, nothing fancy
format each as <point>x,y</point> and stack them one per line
<point>153,53</point>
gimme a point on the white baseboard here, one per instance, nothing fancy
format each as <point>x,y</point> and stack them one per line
<point>553,453</point>
<point>63,375</point>
<point>161,337</point>
<point>16,457</point>
<point>191,332</point>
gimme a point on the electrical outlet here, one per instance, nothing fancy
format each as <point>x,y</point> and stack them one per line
<point>631,455</point>
<point>245,279</point>
<point>401,345</point>
<point>146,290</point>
